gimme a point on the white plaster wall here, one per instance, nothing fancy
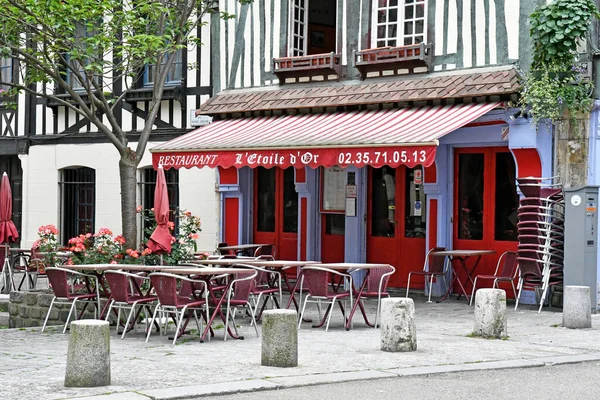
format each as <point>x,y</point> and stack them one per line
<point>41,192</point>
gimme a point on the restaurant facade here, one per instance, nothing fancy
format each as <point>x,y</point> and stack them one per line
<point>367,131</point>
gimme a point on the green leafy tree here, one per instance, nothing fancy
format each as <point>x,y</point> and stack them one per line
<point>554,83</point>
<point>86,55</point>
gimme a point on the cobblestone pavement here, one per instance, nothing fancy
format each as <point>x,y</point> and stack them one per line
<point>32,363</point>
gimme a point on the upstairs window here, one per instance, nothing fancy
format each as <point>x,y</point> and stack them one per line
<point>399,22</point>
<point>82,32</point>
<point>174,75</point>
<point>6,75</point>
<point>312,27</point>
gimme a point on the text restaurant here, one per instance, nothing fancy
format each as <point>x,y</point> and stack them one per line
<point>379,179</point>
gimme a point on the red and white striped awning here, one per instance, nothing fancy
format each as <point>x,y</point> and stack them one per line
<point>390,137</point>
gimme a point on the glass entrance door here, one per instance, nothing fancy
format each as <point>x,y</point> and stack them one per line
<point>485,203</point>
<point>396,220</point>
<point>276,211</point>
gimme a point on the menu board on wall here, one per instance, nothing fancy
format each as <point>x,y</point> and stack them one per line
<point>334,190</point>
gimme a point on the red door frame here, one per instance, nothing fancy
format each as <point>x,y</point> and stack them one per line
<point>409,254</point>
<point>487,264</point>
<point>286,243</point>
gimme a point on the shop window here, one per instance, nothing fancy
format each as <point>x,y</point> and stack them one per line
<point>6,75</point>
<point>265,205</point>
<point>383,204</point>
<point>335,224</point>
<point>312,27</point>
<point>470,196</point>
<point>507,199</point>
<point>290,202</point>
<point>147,186</point>
<point>78,198</point>
<point>399,22</point>
<point>174,74</point>
<point>415,221</point>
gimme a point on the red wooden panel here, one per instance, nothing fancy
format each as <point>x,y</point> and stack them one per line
<point>228,176</point>
<point>232,220</point>
<point>431,173</point>
<point>433,220</point>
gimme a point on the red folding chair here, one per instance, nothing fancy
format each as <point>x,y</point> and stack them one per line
<point>376,286</point>
<point>506,271</point>
<point>176,295</point>
<point>238,295</point>
<point>65,288</point>
<point>317,281</point>
<point>434,266</point>
<point>127,295</point>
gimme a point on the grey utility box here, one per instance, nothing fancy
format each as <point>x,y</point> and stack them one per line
<point>581,240</point>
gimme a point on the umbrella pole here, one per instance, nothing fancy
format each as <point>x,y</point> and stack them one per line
<point>9,281</point>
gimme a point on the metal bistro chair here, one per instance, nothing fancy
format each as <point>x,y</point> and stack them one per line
<point>177,294</point>
<point>127,295</point>
<point>238,295</point>
<point>61,280</point>
<point>376,286</point>
<point>434,266</point>
<point>508,273</point>
<point>317,283</point>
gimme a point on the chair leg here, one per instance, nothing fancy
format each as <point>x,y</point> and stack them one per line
<point>302,312</point>
<point>513,288</point>
<point>108,312</point>
<point>48,315</point>
<point>179,321</point>
<point>408,283</point>
<point>377,310</point>
<point>73,306</point>
<point>430,288</point>
<point>520,286</point>
<point>131,312</point>
<point>473,291</point>
<point>152,323</point>
<point>330,308</point>
<point>253,312</point>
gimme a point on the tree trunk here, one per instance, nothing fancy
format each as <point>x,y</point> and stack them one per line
<point>127,170</point>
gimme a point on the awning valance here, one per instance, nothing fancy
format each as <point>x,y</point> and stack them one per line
<point>390,137</point>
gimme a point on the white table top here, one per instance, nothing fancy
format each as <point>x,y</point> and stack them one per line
<point>242,246</point>
<point>463,253</point>
<point>344,266</point>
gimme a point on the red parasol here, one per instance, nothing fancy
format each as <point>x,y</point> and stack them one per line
<point>8,230</point>
<point>160,241</point>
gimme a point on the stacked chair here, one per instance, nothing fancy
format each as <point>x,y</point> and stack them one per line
<point>541,236</point>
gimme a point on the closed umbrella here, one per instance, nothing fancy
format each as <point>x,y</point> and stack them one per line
<point>160,240</point>
<point>8,230</point>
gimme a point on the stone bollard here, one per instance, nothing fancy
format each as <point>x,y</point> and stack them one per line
<point>577,307</point>
<point>490,313</point>
<point>398,330</point>
<point>88,357</point>
<point>280,338</point>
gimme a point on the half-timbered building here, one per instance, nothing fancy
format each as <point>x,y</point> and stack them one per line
<point>368,130</point>
<point>64,171</point>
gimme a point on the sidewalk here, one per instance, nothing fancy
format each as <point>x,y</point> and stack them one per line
<point>33,363</point>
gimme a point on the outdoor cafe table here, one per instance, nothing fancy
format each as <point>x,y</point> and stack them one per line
<point>461,257</point>
<point>243,248</point>
<point>280,265</point>
<point>202,273</point>
<point>357,293</point>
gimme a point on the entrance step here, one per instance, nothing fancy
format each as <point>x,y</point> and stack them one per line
<point>4,301</point>
<point>4,317</point>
